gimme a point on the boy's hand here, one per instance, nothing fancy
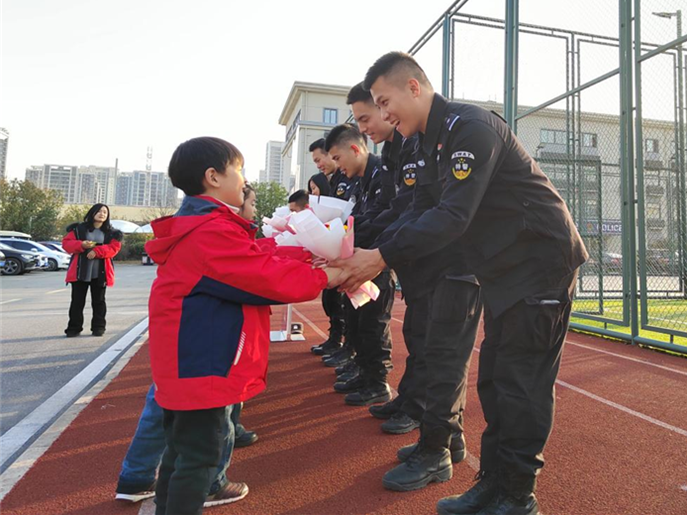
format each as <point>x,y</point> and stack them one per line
<point>91,255</point>
<point>333,275</point>
<point>86,244</point>
<point>319,262</point>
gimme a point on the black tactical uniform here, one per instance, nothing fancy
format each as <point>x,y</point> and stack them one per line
<point>523,246</point>
<point>341,185</point>
<point>368,326</point>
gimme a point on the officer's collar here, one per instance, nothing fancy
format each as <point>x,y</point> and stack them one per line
<point>372,163</point>
<point>434,124</point>
<point>392,148</point>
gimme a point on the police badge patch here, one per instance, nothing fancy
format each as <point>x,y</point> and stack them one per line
<point>462,164</point>
<point>409,174</point>
<point>341,189</point>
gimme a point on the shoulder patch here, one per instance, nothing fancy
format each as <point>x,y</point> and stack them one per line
<point>462,164</point>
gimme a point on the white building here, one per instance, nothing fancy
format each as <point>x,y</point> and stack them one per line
<point>310,112</point>
<point>274,164</point>
<point>62,178</point>
<point>4,142</point>
<point>106,178</point>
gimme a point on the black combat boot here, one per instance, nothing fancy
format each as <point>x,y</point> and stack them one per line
<point>429,462</point>
<point>479,496</point>
<point>516,496</point>
<point>457,448</point>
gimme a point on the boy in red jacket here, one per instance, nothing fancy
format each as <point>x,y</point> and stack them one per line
<point>209,318</point>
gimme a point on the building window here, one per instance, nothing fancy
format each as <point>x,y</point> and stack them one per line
<point>651,145</point>
<point>588,140</point>
<point>330,116</point>
<point>551,136</point>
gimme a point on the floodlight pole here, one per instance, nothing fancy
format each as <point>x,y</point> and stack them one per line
<point>510,75</point>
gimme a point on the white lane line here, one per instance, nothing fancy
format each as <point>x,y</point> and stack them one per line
<point>620,407</point>
<point>628,358</point>
<point>8,301</point>
<point>625,409</point>
<point>309,322</point>
<point>57,291</point>
<point>14,439</point>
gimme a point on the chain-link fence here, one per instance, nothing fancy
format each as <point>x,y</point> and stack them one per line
<point>599,101</point>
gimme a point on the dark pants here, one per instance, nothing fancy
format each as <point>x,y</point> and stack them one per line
<point>518,365</point>
<point>332,303</point>
<point>455,308</point>
<point>189,465</point>
<point>410,400</point>
<point>371,333</point>
<point>79,291</point>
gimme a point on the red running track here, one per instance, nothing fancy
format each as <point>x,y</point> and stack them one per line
<point>619,445</point>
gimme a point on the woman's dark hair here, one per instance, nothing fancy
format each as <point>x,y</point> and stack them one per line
<point>90,218</point>
<point>247,189</point>
<point>191,159</point>
<point>321,182</point>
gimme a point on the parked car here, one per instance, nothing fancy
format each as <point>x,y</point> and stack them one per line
<point>54,245</point>
<point>55,260</point>
<point>2,260</point>
<point>18,262</point>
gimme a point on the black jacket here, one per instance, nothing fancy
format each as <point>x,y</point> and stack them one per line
<point>340,185</point>
<point>515,228</point>
<point>369,194</point>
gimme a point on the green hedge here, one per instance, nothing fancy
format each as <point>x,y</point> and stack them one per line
<point>132,247</point>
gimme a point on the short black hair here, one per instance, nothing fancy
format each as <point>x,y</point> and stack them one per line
<point>193,157</point>
<point>247,189</point>
<point>300,197</point>
<point>317,144</point>
<point>392,63</point>
<point>358,94</point>
<point>344,133</point>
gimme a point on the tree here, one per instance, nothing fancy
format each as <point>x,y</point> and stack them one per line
<point>26,208</point>
<point>74,213</point>
<point>270,196</point>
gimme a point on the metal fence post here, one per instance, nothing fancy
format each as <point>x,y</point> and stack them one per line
<point>627,165</point>
<point>510,74</point>
<point>447,51</point>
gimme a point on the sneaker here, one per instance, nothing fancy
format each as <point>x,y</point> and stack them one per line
<point>231,492</point>
<point>134,493</point>
<point>400,423</point>
<point>246,439</point>
<point>348,367</point>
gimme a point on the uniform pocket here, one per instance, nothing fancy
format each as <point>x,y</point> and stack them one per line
<point>544,318</point>
<point>455,300</point>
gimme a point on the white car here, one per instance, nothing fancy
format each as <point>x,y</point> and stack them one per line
<point>53,260</point>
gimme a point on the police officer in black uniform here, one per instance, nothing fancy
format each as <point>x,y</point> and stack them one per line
<point>368,326</point>
<point>402,414</point>
<point>523,247</point>
<point>332,300</point>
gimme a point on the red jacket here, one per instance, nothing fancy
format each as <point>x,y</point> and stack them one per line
<point>76,235</point>
<point>209,305</point>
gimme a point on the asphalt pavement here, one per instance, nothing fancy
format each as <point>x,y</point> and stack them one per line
<point>36,359</point>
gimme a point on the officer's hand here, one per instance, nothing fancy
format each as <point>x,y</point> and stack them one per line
<point>319,262</point>
<point>362,266</point>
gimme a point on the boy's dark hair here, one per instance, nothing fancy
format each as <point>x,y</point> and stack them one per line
<point>398,64</point>
<point>317,144</point>
<point>344,133</point>
<point>90,218</point>
<point>300,197</point>
<point>358,94</point>
<point>191,159</point>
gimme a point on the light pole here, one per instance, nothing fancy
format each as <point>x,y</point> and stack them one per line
<point>680,161</point>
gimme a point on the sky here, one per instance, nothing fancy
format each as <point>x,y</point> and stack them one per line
<point>87,82</point>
